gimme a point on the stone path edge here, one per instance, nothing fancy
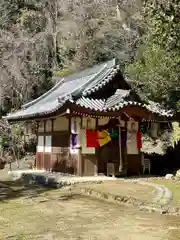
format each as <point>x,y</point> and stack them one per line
<point>141,205</point>
<point>163,197</point>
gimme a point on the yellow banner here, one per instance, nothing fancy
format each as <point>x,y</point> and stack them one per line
<point>103,137</point>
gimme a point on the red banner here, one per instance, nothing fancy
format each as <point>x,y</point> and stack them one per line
<point>139,139</point>
<point>91,139</point>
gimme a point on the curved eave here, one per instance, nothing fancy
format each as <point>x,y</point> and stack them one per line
<point>123,108</point>
<point>37,116</point>
<point>97,109</point>
<point>59,109</point>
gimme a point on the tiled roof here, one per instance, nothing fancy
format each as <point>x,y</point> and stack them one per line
<point>114,103</point>
<point>93,104</point>
<point>77,84</point>
<point>119,101</point>
<point>119,97</point>
<point>102,104</point>
<point>100,81</point>
<point>157,108</point>
<point>38,110</point>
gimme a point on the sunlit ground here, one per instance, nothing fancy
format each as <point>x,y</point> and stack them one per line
<point>35,213</point>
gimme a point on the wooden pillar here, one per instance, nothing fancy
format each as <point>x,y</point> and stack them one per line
<point>125,153</point>
<point>120,150</point>
<point>44,123</point>
<point>80,166</point>
<point>52,130</point>
<point>69,132</point>
<point>80,157</point>
<point>52,123</point>
<point>96,155</point>
<point>37,130</point>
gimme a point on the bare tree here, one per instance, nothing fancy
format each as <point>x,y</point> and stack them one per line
<point>37,37</point>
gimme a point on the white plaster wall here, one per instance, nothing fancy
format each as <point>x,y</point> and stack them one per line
<point>78,125</point>
<point>103,121</point>
<point>41,126</point>
<point>40,144</point>
<point>48,144</point>
<point>88,123</point>
<point>49,125</point>
<point>61,124</point>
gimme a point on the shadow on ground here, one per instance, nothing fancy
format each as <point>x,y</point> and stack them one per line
<point>32,185</point>
<point>15,189</point>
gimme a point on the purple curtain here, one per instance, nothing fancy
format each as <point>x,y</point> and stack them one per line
<point>74,140</point>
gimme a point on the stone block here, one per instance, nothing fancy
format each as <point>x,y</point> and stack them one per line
<point>169,176</point>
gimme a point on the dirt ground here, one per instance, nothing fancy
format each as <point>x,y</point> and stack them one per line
<point>121,188</point>
<point>36,213</point>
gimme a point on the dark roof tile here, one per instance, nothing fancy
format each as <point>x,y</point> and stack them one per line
<point>119,97</point>
<point>94,104</point>
<point>83,82</point>
<point>117,102</point>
